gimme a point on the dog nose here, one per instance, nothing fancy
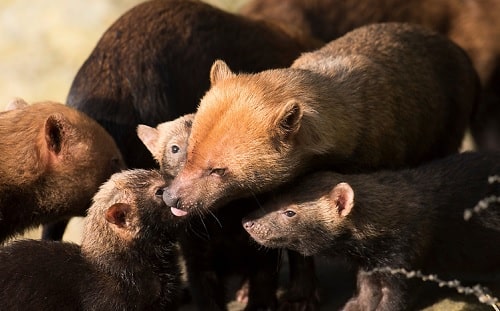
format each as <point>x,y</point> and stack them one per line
<point>248,224</point>
<point>170,199</point>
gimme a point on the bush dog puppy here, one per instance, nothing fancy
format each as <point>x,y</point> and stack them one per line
<point>127,259</point>
<point>167,142</point>
<point>412,219</point>
<point>54,160</point>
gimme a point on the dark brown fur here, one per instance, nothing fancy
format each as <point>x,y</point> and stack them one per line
<point>127,260</point>
<point>214,247</point>
<point>474,25</point>
<point>54,158</point>
<point>412,219</point>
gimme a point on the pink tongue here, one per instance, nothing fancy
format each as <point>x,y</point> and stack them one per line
<point>178,212</point>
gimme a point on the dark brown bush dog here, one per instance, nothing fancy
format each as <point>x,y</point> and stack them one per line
<point>127,260</point>
<point>411,219</point>
<point>152,65</point>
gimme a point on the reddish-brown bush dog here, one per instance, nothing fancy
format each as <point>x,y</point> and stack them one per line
<point>54,160</point>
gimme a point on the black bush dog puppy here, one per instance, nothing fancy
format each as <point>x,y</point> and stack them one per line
<point>217,247</point>
<point>127,259</point>
<point>412,219</point>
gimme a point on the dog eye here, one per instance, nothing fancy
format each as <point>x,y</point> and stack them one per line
<point>218,171</point>
<point>290,213</point>
<point>175,148</point>
<point>159,192</point>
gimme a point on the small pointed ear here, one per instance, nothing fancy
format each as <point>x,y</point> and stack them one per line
<point>117,214</point>
<point>342,196</point>
<point>220,71</point>
<point>149,137</point>
<point>289,119</point>
<point>16,103</point>
<point>188,120</point>
<point>55,127</point>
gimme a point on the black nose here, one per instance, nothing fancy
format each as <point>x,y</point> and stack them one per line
<point>169,199</point>
<point>247,224</point>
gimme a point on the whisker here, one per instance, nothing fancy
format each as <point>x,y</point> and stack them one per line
<point>215,217</point>
<point>204,226</point>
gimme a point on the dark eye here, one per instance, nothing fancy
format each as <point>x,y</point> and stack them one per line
<point>159,192</point>
<point>175,148</point>
<point>218,171</point>
<point>289,213</point>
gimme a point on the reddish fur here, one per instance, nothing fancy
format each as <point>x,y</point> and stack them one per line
<point>227,251</point>
<point>54,160</point>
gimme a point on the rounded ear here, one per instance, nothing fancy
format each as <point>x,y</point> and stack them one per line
<point>55,127</point>
<point>220,71</point>
<point>16,103</point>
<point>117,214</point>
<point>342,196</point>
<point>149,137</point>
<point>289,119</point>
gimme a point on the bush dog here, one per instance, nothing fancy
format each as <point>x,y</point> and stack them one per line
<point>473,25</point>
<point>127,259</point>
<point>54,160</point>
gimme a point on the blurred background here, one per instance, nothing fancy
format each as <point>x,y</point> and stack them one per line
<point>43,43</point>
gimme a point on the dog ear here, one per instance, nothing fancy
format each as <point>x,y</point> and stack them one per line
<point>289,119</point>
<point>342,196</point>
<point>149,137</point>
<point>220,71</point>
<point>117,214</point>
